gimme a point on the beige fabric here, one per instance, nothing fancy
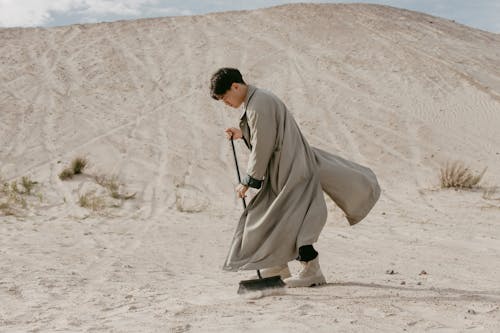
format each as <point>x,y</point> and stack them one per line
<point>289,211</point>
<point>353,187</point>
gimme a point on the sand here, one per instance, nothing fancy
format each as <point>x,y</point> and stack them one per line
<point>395,90</point>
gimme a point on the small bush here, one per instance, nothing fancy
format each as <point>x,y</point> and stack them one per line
<point>91,201</point>
<point>66,174</point>
<point>456,175</point>
<point>76,167</point>
<point>12,200</point>
<point>28,184</point>
<point>13,195</point>
<point>78,164</point>
<point>14,188</point>
<point>112,184</point>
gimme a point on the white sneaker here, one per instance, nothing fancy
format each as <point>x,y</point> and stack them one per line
<point>282,271</point>
<point>310,275</point>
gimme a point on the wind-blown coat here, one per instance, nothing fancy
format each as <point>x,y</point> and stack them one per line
<point>289,211</point>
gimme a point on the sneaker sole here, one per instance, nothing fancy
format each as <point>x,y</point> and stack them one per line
<point>317,284</point>
<point>313,284</point>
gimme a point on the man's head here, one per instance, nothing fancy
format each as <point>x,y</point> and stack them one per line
<point>227,85</point>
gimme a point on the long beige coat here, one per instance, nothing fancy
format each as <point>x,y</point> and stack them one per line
<point>289,210</point>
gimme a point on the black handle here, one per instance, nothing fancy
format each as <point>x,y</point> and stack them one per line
<point>239,180</point>
<point>237,170</point>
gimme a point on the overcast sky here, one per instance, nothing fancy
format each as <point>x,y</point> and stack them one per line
<point>482,14</point>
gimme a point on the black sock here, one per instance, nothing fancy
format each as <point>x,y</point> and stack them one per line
<point>307,253</point>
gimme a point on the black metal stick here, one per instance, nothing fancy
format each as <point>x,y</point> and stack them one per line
<point>237,169</point>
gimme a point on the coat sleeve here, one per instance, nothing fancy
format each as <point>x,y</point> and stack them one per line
<point>263,128</point>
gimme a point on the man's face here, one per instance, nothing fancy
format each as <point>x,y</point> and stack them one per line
<point>235,96</point>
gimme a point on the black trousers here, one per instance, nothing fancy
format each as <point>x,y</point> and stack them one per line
<point>307,253</point>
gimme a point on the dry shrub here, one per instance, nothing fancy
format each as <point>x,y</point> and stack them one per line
<point>13,195</point>
<point>76,167</point>
<point>14,188</point>
<point>66,174</point>
<point>457,175</point>
<point>92,201</point>
<point>78,164</point>
<point>112,184</point>
<point>28,184</point>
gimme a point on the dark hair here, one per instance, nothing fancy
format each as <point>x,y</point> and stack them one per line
<point>222,80</point>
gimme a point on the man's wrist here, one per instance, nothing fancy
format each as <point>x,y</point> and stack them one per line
<point>251,182</point>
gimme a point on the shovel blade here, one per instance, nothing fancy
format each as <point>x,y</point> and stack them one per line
<point>272,282</point>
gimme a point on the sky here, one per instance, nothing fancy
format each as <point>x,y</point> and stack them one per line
<point>481,14</point>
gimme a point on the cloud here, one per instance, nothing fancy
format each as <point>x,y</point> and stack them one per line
<point>43,12</point>
<point>106,7</point>
<point>31,12</point>
<point>169,11</point>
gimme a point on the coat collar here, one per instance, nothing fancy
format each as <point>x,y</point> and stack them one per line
<point>251,90</point>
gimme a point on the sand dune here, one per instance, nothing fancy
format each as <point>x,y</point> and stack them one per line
<point>399,91</point>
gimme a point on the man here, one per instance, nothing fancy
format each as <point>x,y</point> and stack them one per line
<point>286,216</point>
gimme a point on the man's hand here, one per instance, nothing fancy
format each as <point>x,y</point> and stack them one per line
<point>241,190</point>
<point>233,132</point>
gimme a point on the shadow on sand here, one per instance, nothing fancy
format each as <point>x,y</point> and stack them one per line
<point>406,293</point>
